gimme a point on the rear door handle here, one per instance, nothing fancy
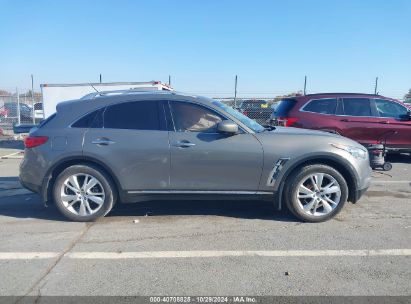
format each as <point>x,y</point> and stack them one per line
<point>183,144</point>
<point>344,120</point>
<point>103,142</point>
<point>384,122</point>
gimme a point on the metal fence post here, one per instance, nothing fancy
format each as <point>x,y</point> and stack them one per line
<point>32,98</point>
<point>18,106</point>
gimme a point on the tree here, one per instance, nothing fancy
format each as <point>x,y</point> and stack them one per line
<point>4,93</point>
<point>407,97</point>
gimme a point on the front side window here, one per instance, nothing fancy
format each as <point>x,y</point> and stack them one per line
<point>322,106</point>
<point>388,108</point>
<point>190,117</point>
<point>135,115</point>
<point>357,107</point>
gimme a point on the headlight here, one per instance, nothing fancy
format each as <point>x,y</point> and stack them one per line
<point>354,151</point>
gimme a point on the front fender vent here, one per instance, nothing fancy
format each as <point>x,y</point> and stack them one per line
<point>278,166</point>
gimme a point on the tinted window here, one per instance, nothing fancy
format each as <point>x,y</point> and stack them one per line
<point>387,108</point>
<point>47,120</point>
<point>284,107</point>
<point>357,106</point>
<point>194,118</point>
<point>87,121</point>
<point>137,115</point>
<point>323,106</point>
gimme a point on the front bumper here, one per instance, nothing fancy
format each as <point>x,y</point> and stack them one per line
<point>358,194</point>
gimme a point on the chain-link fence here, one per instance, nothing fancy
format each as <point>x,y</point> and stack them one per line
<point>18,109</point>
<point>259,109</point>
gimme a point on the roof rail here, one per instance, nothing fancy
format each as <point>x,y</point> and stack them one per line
<point>123,92</point>
<point>331,93</point>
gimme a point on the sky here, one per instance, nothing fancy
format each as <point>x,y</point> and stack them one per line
<point>340,45</point>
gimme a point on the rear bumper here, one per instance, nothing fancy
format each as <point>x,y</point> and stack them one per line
<point>30,186</point>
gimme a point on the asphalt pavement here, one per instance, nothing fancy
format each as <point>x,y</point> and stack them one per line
<point>207,247</point>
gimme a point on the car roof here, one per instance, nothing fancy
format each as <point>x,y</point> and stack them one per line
<point>336,95</point>
<point>101,99</point>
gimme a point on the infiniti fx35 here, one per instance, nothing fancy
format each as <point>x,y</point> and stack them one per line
<point>130,146</point>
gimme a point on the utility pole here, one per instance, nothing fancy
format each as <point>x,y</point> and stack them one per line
<point>169,80</point>
<point>235,92</point>
<point>305,84</point>
<point>32,98</point>
<point>100,78</point>
<point>376,86</point>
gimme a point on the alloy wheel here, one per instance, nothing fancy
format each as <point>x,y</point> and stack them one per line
<point>318,194</point>
<point>82,194</point>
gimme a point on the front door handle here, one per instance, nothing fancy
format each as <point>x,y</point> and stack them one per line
<point>103,142</point>
<point>384,122</point>
<point>344,120</point>
<point>183,144</point>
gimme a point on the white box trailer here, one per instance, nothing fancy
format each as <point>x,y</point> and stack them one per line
<point>55,93</point>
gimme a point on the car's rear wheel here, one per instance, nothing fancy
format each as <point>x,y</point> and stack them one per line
<point>84,193</point>
<point>316,193</point>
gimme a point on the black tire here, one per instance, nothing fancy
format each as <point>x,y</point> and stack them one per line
<point>387,166</point>
<point>299,175</point>
<point>105,181</point>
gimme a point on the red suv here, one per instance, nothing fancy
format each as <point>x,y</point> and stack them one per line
<point>365,118</point>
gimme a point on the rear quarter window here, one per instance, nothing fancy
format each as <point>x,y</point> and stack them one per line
<point>90,120</point>
<point>47,120</point>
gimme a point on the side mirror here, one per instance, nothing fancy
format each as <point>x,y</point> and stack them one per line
<point>405,117</point>
<point>227,126</point>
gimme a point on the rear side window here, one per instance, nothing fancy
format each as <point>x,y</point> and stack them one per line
<point>284,107</point>
<point>136,115</point>
<point>357,107</point>
<point>322,106</point>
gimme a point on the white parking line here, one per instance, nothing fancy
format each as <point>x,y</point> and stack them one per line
<point>27,255</point>
<point>203,254</point>
<point>389,182</point>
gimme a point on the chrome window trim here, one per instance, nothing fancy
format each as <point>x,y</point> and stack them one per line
<point>311,100</point>
<point>343,115</point>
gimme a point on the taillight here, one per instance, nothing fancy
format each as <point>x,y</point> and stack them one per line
<point>245,113</point>
<point>286,121</point>
<point>35,141</point>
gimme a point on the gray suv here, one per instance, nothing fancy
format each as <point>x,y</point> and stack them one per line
<point>129,146</point>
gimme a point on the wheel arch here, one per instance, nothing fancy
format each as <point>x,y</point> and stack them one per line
<point>339,164</point>
<point>58,167</point>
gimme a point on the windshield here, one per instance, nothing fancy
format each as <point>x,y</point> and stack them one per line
<point>256,127</point>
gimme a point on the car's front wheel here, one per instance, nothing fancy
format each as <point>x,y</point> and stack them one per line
<point>84,193</point>
<point>316,193</point>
